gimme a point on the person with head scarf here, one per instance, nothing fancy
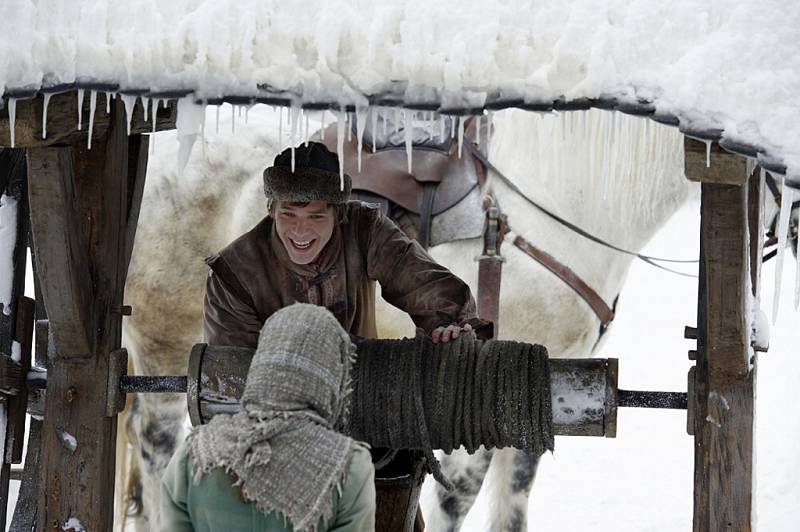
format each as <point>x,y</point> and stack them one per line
<point>279,464</point>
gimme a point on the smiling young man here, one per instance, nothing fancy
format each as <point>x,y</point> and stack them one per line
<point>317,247</point>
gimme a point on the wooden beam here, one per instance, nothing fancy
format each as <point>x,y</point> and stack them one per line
<point>718,166</point>
<point>78,440</point>
<point>725,372</point>
<point>62,120</point>
<point>62,260</point>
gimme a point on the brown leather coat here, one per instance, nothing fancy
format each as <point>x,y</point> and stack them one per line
<point>253,277</point>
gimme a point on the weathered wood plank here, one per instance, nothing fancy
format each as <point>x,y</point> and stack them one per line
<point>725,373</point>
<point>725,167</point>
<point>62,120</point>
<point>62,263</point>
<point>78,440</point>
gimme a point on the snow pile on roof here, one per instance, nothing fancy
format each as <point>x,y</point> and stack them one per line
<point>729,64</point>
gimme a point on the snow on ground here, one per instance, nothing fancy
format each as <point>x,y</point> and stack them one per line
<point>642,480</point>
<point>732,64</point>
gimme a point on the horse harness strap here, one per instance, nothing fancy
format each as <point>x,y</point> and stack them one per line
<point>592,298</point>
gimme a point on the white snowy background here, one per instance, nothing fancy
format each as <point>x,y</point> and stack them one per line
<point>642,480</point>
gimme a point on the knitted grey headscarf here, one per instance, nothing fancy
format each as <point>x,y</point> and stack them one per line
<point>282,447</point>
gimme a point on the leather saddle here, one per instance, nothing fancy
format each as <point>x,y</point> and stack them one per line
<point>438,180</point>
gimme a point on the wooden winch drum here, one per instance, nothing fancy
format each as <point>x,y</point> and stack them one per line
<point>583,391</point>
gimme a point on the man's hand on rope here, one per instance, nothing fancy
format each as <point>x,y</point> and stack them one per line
<point>451,332</point>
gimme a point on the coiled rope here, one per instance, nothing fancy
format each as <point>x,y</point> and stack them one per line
<point>466,392</point>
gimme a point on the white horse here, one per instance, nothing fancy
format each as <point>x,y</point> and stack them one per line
<point>617,176</point>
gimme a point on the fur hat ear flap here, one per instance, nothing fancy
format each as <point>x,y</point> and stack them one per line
<point>315,176</point>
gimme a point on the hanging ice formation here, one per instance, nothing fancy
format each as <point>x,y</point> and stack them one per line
<point>373,113</point>
<point>460,134</point>
<point>12,113</point>
<point>783,226</point>
<point>441,128</point>
<point>408,129</point>
<point>80,110</point>
<point>361,119</point>
<point>47,97</point>
<point>340,145</point>
<point>322,131</point>
<point>349,127</point>
<point>154,115</point>
<point>708,154</point>
<point>92,104</point>
<point>233,119</point>
<point>145,105</point>
<point>293,121</point>
<point>130,102</point>
<point>109,95</point>
<point>190,119</point>
<point>305,133</point>
<point>8,241</point>
<point>478,129</point>
<point>489,123</point>
<point>280,125</point>
<point>453,126</point>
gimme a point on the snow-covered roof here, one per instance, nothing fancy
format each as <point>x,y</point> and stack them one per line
<point>723,67</point>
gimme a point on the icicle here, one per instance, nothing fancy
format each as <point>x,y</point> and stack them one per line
<point>783,227</point>
<point>233,119</point>
<point>708,154</point>
<point>109,95</point>
<point>383,122</point>
<point>478,129</point>
<point>188,123</point>
<point>280,125</point>
<point>441,128</point>
<point>203,138</point>
<point>247,114</point>
<point>373,112</point>
<point>305,134</point>
<point>240,110</point>
<point>489,126</point>
<point>130,102</point>
<point>80,109</point>
<point>397,115</point>
<point>294,121</point>
<point>408,129</point>
<point>154,114</point>
<point>460,134</point>
<point>217,130</point>
<point>145,105</point>
<point>92,105</point>
<point>44,114</point>
<point>340,146</point>
<point>361,119</point>
<point>322,131</point>
<point>349,128</point>
<point>12,113</point>
<point>452,127</point>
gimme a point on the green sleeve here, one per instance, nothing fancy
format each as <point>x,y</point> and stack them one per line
<point>356,509</point>
<point>175,482</point>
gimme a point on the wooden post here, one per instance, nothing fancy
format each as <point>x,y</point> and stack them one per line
<point>725,374</point>
<point>79,214</point>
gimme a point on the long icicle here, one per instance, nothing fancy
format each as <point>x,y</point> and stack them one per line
<point>373,112</point>
<point>361,120</point>
<point>217,130</point>
<point>306,132</point>
<point>295,120</point>
<point>783,227</point>
<point>280,125</point>
<point>129,102</point>
<point>233,119</point>
<point>322,125</point>
<point>460,134</point>
<point>92,105</point>
<point>408,129</point>
<point>12,113</point>
<point>145,105</point>
<point>47,96</point>
<point>340,146</point>
<point>80,109</point>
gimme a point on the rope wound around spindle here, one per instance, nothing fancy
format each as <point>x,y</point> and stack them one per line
<point>466,392</point>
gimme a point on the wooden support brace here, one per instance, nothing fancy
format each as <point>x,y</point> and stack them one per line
<point>709,163</point>
<point>80,210</point>
<point>724,398</point>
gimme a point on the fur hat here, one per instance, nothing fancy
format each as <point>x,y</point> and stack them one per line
<point>315,176</point>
